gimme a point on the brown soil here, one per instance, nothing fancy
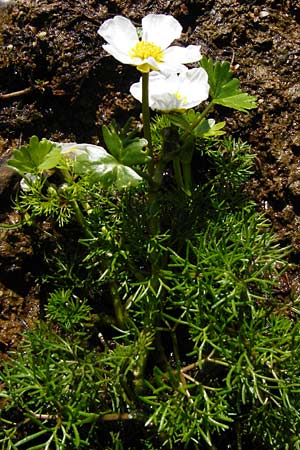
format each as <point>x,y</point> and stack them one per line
<point>57,82</point>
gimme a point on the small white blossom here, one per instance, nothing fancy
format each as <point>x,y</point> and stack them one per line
<point>72,150</point>
<point>101,163</point>
<point>27,181</point>
<point>152,51</point>
<point>174,92</point>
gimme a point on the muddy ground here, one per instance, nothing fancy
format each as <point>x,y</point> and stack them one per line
<point>57,82</point>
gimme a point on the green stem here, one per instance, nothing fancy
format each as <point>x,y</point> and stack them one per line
<point>178,173</point>
<point>197,121</point>
<point>146,119</point>
<point>81,220</point>
<point>238,436</point>
<point>187,177</point>
<point>117,305</point>
<point>154,220</point>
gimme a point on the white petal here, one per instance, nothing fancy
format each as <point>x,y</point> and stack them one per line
<point>193,86</point>
<point>120,33</point>
<point>162,91</point>
<point>172,91</point>
<point>65,146</point>
<point>136,90</point>
<point>171,67</point>
<point>155,86</point>
<point>27,181</point>
<point>159,84</point>
<point>95,152</point>
<point>121,56</point>
<point>72,150</point>
<point>166,102</point>
<point>160,29</point>
<point>182,55</point>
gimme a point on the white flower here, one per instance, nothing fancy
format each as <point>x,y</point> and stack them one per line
<point>102,165</point>
<point>72,150</point>
<point>174,92</point>
<point>27,181</point>
<point>152,51</point>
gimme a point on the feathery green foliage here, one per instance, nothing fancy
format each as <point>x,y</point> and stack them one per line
<point>162,328</point>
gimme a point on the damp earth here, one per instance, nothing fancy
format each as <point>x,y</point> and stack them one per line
<point>57,82</point>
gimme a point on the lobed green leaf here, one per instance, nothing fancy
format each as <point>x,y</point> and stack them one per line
<point>224,89</point>
<point>36,157</point>
<point>107,170</point>
<point>112,140</point>
<point>134,153</point>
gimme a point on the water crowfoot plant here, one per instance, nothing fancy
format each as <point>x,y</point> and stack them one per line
<point>162,329</point>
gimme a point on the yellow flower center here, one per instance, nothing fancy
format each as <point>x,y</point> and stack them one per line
<point>144,50</point>
<point>181,97</point>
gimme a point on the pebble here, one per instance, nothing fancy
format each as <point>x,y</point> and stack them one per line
<point>264,13</point>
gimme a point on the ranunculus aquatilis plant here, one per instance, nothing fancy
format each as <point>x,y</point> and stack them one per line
<point>176,270</point>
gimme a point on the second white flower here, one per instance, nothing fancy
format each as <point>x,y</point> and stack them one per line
<point>174,92</point>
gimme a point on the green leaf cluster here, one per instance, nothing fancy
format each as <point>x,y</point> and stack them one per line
<point>206,128</point>
<point>67,310</point>
<point>129,151</point>
<point>36,157</point>
<point>116,167</point>
<point>45,199</point>
<point>224,88</point>
<point>204,354</point>
<point>58,385</point>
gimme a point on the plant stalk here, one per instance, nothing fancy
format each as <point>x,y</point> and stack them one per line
<point>146,119</point>
<point>197,121</point>
<point>117,305</point>
<point>81,220</point>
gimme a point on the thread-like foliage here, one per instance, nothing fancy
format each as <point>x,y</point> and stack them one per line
<point>159,338</point>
